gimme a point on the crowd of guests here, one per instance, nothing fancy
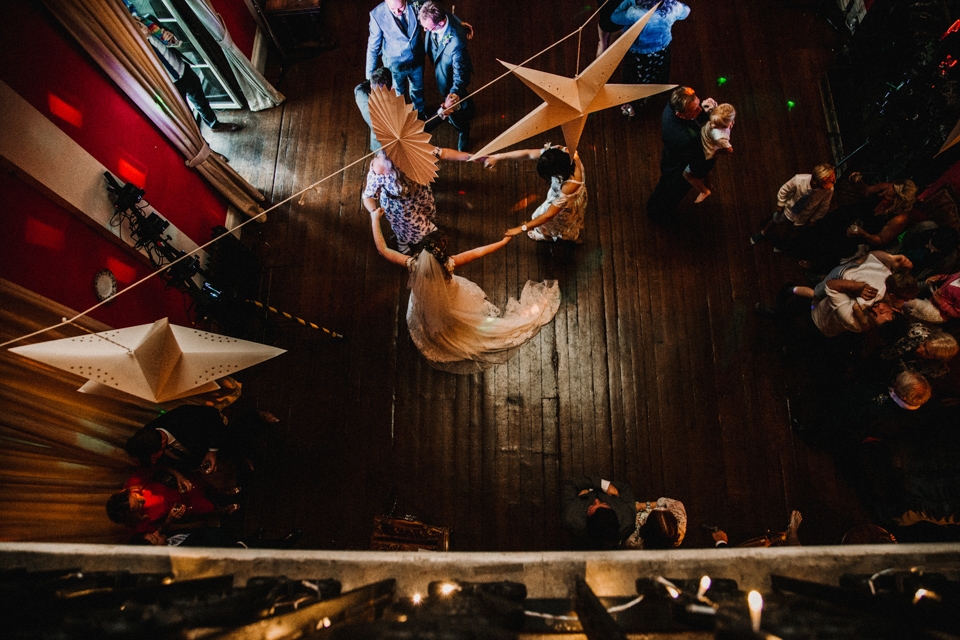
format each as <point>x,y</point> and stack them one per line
<point>877,318</point>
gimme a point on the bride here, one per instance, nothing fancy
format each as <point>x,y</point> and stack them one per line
<point>449,317</point>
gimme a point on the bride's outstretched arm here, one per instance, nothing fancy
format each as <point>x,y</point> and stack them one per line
<point>469,256</point>
<point>393,256</point>
<point>521,154</point>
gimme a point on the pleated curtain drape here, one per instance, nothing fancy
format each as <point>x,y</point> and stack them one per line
<point>259,93</point>
<point>107,32</point>
<point>61,452</point>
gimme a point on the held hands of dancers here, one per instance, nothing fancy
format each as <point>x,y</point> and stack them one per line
<point>708,104</point>
<point>515,231</point>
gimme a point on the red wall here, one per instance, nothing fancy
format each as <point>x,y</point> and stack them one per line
<point>241,25</point>
<point>44,66</point>
<point>51,252</point>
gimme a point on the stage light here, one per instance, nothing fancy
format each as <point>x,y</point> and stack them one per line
<point>790,105</point>
<point>721,81</point>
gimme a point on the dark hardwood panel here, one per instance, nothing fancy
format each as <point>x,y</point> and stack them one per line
<point>655,369</point>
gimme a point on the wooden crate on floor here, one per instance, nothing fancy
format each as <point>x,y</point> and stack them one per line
<point>397,534</point>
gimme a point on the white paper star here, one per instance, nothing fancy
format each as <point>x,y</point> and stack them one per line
<point>157,362</point>
<point>568,101</point>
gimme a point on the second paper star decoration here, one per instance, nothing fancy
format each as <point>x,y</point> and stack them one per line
<point>568,101</point>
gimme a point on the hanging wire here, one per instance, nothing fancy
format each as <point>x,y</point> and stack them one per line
<point>287,199</point>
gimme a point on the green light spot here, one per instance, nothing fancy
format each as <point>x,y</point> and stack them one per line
<point>721,81</point>
<point>790,105</point>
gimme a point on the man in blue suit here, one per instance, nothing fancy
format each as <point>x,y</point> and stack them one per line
<point>446,46</point>
<point>395,37</point>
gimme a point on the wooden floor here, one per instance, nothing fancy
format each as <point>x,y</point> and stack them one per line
<point>655,371</point>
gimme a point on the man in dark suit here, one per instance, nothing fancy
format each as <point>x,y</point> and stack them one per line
<point>682,120</point>
<point>446,46</point>
<point>395,38</point>
<point>380,78</point>
<point>603,513</point>
<point>186,438</point>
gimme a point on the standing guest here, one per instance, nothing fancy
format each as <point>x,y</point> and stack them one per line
<point>859,298</point>
<point>944,303</point>
<point>186,438</point>
<point>560,217</point>
<point>381,78</point>
<point>659,525</point>
<point>648,61</point>
<point>395,38</point>
<point>408,206</point>
<point>599,511</point>
<point>185,79</point>
<point>450,319</point>
<point>682,119</point>
<point>446,45</point>
<point>715,136</point>
<point>607,29</point>
<point>874,222</point>
<point>150,502</point>
<point>802,200</point>
<point>922,350</point>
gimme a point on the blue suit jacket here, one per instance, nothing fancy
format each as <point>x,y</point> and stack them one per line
<point>389,42</point>
<point>450,58</point>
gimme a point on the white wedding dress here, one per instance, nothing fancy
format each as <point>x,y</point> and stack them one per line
<point>458,330</point>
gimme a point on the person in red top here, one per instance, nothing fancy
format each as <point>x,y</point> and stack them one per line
<point>155,500</point>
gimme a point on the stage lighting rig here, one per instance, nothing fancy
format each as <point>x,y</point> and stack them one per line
<point>147,232</point>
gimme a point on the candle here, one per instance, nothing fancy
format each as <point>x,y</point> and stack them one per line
<point>755,602</point>
<point>704,585</point>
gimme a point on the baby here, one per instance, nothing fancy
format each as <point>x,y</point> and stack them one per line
<point>715,136</point>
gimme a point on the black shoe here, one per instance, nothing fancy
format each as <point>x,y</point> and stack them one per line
<point>226,127</point>
<point>463,141</point>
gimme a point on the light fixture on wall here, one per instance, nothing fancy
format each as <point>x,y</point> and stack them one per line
<point>104,284</point>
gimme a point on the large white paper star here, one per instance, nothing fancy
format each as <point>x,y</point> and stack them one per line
<point>568,101</point>
<point>157,362</point>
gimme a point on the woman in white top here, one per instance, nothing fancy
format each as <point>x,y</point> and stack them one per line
<point>449,317</point>
<point>560,217</point>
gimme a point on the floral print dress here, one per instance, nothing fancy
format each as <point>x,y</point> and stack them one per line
<point>407,206</point>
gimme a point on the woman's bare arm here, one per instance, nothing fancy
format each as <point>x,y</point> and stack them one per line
<point>469,256</point>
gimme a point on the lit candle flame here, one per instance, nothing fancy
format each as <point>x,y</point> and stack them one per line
<point>704,586</point>
<point>417,598</point>
<point>755,602</point>
<point>448,588</point>
<point>923,593</point>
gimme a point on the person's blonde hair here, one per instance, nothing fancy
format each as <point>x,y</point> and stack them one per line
<point>906,196</point>
<point>822,171</point>
<point>723,114</point>
<point>912,388</point>
<point>941,345</point>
